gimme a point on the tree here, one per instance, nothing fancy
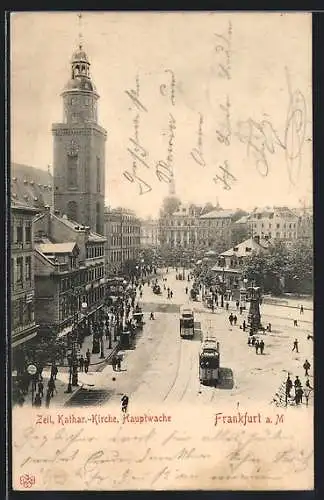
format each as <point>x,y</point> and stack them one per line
<point>170,205</point>
<point>209,207</point>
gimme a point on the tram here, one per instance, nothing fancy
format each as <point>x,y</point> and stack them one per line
<point>187,324</point>
<point>209,359</point>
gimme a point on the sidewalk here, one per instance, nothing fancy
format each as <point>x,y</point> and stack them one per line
<point>61,397</point>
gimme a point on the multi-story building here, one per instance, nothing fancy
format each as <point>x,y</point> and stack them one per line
<point>69,273</point>
<point>305,226</point>
<point>23,325</point>
<point>277,223</point>
<point>215,228</point>
<point>181,228</point>
<point>79,150</point>
<point>122,231</point>
<point>149,233</point>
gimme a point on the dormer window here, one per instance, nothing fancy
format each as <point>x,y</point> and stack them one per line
<point>248,249</point>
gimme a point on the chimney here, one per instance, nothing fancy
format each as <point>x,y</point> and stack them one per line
<point>57,213</point>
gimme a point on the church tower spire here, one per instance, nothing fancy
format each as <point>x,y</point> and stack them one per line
<point>79,148</point>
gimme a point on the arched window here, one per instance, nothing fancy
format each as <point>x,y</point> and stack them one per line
<point>72,170</point>
<point>98,225</point>
<point>72,211</point>
<point>98,175</point>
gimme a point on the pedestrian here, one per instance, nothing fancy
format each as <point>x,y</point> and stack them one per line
<point>171,294</point>
<point>241,309</point>
<point>54,371</point>
<point>308,384</point>
<point>47,399</point>
<point>213,307</point>
<point>257,346</point>
<point>119,363</point>
<point>295,348</point>
<point>237,304</point>
<point>235,320</point>
<point>231,318</point>
<point>124,402</point>
<point>269,327</point>
<point>307,393</point>
<point>261,346</point>
<point>295,322</point>
<point>41,388</point>
<point>299,395</point>
<point>297,383</point>
<point>86,365</point>
<point>244,325</point>
<point>289,385</point>
<point>301,310</point>
<point>38,401</point>
<point>81,363</point>
<point>114,362</point>
<point>51,386</point>
<point>88,356</point>
<point>306,367</point>
<point>186,290</point>
<point>227,306</point>
<point>152,316</point>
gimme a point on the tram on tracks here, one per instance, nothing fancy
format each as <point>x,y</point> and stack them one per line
<point>187,324</point>
<point>209,362</point>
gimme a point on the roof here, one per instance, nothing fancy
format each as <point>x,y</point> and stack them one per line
<point>31,186</point>
<point>251,243</point>
<point>73,225</point>
<point>274,210</point>
<point>243,220</point>
<point>218,214</point>
<point>18,205</point>
<point>67,247</point>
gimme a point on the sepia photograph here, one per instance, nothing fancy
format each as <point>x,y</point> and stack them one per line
<point>161,250</point>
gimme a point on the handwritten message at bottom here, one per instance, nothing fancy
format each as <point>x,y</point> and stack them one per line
<point>156,448</point>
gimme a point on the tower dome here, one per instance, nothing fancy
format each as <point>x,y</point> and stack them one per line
<point>79,56</point>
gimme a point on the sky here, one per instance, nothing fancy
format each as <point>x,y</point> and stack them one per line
<point>235,87</point>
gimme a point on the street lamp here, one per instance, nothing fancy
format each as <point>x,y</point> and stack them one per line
<point>72,357</point>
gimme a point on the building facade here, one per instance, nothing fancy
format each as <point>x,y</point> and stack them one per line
<point>69,274</point>
<point>216,227</point>
<point>149,233</point>
<point>181,228</point>
<point>122,231</point>
<point>23,325</point>
<point>79,150</point>
<point>279,223</point>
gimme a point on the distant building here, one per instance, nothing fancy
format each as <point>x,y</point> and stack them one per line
<point>279,223</point>
<point>216,226</point>
<point>23,325</point>
<point>305,226</point>
<point>149,233</point>
<point>122,230</point>
<point>69,274</point>
<point>181,228</point>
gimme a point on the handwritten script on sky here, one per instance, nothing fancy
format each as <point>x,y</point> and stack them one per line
<point>221,102</point>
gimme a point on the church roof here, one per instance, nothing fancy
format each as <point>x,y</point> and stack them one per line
<point>31,186</point>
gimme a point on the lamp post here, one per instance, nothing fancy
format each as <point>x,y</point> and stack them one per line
<point>72,356</point>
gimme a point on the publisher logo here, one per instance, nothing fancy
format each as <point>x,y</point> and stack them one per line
<point>27,480</point>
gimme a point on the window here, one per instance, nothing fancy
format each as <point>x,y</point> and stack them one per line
<point>19,234</point>
<point>28,268</point>
<point>72,171</point>
<point>28,234</point>
<point>72,211</point>
<point>98,174</point>
<point>278,226</point>
<point>19,269</point>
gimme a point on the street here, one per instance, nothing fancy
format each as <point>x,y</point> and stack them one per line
<point>164,368</point>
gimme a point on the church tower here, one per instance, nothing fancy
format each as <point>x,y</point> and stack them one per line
<point>79,150</point>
